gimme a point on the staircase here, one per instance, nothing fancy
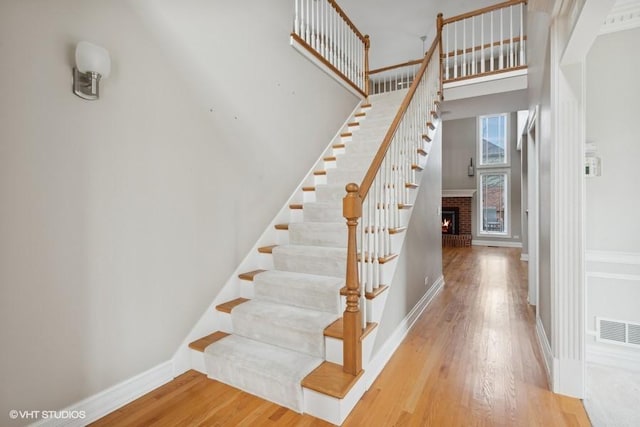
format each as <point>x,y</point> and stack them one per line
<point>298,324</point>
<point>281,338</point>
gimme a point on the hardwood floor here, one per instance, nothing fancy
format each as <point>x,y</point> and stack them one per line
<point>472,359</point>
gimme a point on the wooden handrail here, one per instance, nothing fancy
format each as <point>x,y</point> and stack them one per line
<point>382,151</point>
<point>485,46</point>
<point>347,20</point>
<point>393,67</point>
<point>482,11</point>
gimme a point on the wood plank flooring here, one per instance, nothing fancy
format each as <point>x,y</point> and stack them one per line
<point>472,359</point>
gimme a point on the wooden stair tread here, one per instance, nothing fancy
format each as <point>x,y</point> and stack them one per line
<point>417,167</point>
<point>309,188</point>
<point>382,259</point>
<point>353,124</point>
<point>422,152</point>
<point>282,226</point>
<point>391,230</point>
<point>338,145</point>
<point>295,206</point>
<point>320,172</point>
<point>426,137</point>
<point>362,114</point>
<point>226,307</point>
<point>346,134</point>
<point>411,185</point>
<point>330,159</point>
<point>335,330</point>
<point>431,126</point>
<point>266,249</point>
<point>397,230</point>
<point>204,342</point>
<point>250,275</point>
<point>367,105</point>
<point>405,205</point>
<point>367,295</point>
<point>330,379</point>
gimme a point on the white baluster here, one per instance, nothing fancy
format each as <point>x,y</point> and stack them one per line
<point>455,50</point>
<point>491,44</point>
<point>482,43</point>
<point>501,59</point>
<point>464,49</point>
<point>473,45</point>
<point>522,58</point>
<point>511,45</point>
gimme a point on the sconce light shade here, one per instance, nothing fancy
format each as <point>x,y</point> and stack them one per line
<point>92,64</point>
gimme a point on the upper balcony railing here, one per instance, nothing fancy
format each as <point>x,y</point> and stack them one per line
<point>323,29</point>
<point>485,41</point>
<point>394,77</point>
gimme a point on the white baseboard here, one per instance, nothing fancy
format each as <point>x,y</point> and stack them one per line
<point>617,358</point>
<point>107,401</point>
<point>380,360</point>
<point>546,349</point>
<point>502,244</point>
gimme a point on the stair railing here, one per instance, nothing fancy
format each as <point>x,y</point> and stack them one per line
<point>485,41</point>
<point>393,77</point>
<point>372,209</point>
<point>327,33</point>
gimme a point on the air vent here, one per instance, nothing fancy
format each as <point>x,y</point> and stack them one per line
<point>634,334</point>
<point>618,332</point>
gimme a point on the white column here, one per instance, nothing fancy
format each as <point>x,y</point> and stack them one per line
<point>567,221</point>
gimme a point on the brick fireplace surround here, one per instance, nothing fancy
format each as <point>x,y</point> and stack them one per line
<point>460,199</point>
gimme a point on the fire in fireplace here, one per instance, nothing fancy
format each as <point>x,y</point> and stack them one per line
<point>450,220</point>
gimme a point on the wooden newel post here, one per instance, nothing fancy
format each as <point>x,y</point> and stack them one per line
<point>441,62</point>
<point>367,43</point>
<point>352,321</point>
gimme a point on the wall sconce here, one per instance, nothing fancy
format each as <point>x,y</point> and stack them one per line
<point>470,171</point>
<point>92,64</point>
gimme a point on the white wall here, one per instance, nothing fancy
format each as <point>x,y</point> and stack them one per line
<point>459,145</point>
<point>613,200</point>
<point>538,52</point>
<point>121,218</point>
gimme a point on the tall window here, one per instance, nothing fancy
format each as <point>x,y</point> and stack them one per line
<point>493,141</point>
<point>493,199</point>
<point>493,174</point>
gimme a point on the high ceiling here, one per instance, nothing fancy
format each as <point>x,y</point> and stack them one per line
<point>395,27</point>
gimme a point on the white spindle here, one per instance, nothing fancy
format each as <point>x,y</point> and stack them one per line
<point>455,50</point>
<point>482,44</point>
<point>446,55</point>
<point>464,50</point>
<point>501,59</point>
<point>511,44</point>
<point>491,42</point>
<point>473,45</point>
<point>522,59</point>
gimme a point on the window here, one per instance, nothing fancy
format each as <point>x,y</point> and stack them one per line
<point>493,140</point>
<point>493,202</point>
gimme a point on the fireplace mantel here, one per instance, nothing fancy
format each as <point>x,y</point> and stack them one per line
<point>458,193</point>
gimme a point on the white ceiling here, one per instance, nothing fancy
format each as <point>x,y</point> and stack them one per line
<point>395,27</point>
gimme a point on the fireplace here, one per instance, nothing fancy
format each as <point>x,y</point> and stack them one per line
<point>456,217</point>
<point>450,220</point>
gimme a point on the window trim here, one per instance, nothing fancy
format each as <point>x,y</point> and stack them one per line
<point>507,203</point>
<point>507,157</point>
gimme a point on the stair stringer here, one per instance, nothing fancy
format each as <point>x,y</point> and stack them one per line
<point>184,358</point>
<point>336,410</point>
